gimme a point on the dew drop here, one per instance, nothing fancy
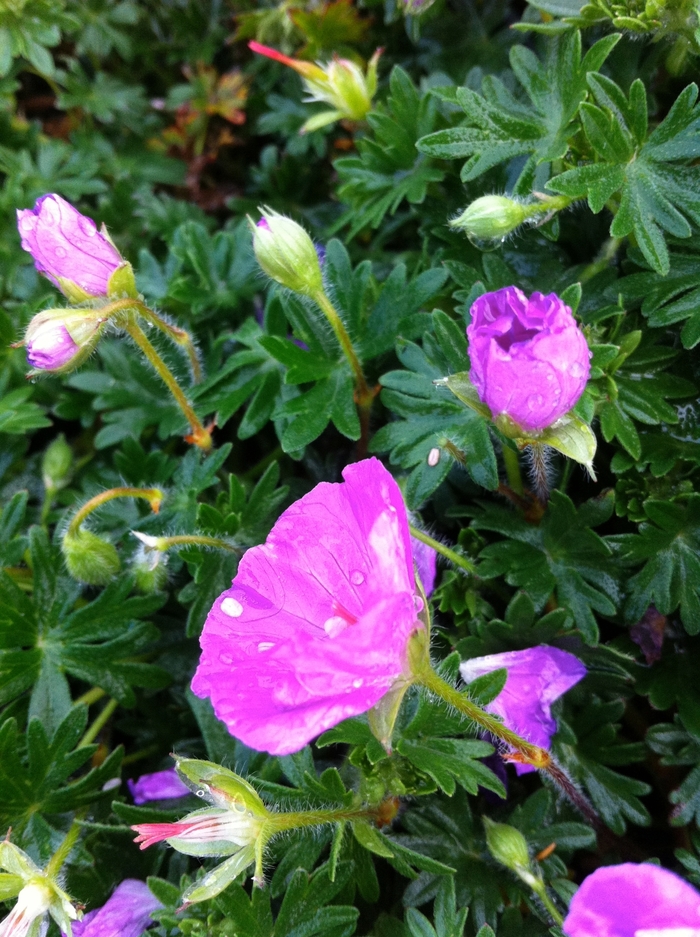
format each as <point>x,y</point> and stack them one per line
<point>28,223</point>
<point>225,659</point>
<point>485,244</point>
<point>534,401</point>
<point>231,607</point>
<point>357,577</point>
<point>550,376</point>
<point>88,227</point>
<point>265,646</point>
<point>60,252</point>
<point>576,370</point>
<point>358,683</point>
<point>334,626</point>
<point>418,603</point>
<point>201,793</point>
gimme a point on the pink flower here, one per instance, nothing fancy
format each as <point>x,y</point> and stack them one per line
<point>160,785</point>
<point>425,559</point>
<point>207,832</point>
<point>127,912</point>
<point>67,246</point>
<point>51,347</point>
<point>632,900</point>
<point>315,625</point>
<point>536,678</point>
<point>529,359</point>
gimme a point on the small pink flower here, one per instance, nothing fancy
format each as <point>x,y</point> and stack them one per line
<point>315,626</point>
<point>204,832</point>
<point>51,347</point>
<point>67,245</point>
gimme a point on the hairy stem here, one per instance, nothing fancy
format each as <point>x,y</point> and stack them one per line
<point>98,723</point>
<point>154,496</point>
<point>179,540</point>
<point>449,554</point>
<point>199,435</point>
<point>180,336</point>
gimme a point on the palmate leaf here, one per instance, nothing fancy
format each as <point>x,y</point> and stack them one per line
<point>652,176</point>
<point>669,545</point>
<point>676,297</point>
<point>561,555</point>
<point>499,126</point>
<point>45,636</point>
<point>387,169</point>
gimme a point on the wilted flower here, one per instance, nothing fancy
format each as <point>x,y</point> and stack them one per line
<point>315,626</point>
<point>340,83</point>
<point>61,339</point>
<point>126,913</point>
<point>160,785</point>
<point>537,677</point>
<point>67,247</point>
<point>529,359</point>
<point>287,254</point>
<point>631,900</point>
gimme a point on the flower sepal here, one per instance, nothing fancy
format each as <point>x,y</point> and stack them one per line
<point>75,294</point>
<point>122,283</point>
<point>213,883</point>
<point>220,786</point>
<point>461,386</point>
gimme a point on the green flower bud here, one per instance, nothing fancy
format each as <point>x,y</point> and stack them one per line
<point>150,568</point>
<point>57,464</point>
<point>287,254</point>
<point>507,846</point>
<point>492,216</point>
<point>89,558</point>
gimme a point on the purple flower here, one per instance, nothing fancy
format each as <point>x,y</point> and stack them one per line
<point>529,359</point>
<point>315,626</point>
<point>632,900</point>
<point>67,246</point>
<point>126,913</point>
<point>51,347</point>
<point>536,678</point>
<point>161,785</point>
<point>425,559</point>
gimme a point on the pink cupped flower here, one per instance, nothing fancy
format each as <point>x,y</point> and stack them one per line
<point>631,900</point>
<point>536,678</point>
<point>160,785</point>
<point>126,913</point>
<point>51,347</point>
<point>315,626</point>
<point>529,359</point>
<point>66,245</point>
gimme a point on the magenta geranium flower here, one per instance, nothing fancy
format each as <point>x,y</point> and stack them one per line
<point>160,785</point>
<point>425,559</point>
<point>67,246</point>
<point>315,625</point>
<point>536,678</point>
<point>126,913</point>
<point>529,359</point>
<point>632,900</point>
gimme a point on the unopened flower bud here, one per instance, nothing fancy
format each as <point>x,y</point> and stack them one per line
<point>61,339</point>
<point>89,558</point>
<point>287,254</point>
<point>57,464</point>
<point>67,248</point>
<point>491,216</point>
<point>507,845</point>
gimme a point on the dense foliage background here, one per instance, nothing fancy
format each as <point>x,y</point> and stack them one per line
<point>154,118</point>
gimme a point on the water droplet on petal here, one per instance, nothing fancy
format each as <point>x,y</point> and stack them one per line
<point>334,626</point>
<point>87,226</point>
<point>576,370</point>
<point>28,223</point>
<point>226,659</point>
<point>231,607</point>
<point>60,252</point>
<point>265,645</point>
<point>534,401</point>
<point>358,683</point>
<point>418,603</point>
<point>357,577</point>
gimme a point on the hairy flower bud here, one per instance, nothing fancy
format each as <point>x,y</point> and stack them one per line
<point>507,845</point>
<point>61,339</point>
<point>67,248</point>
<point>287,254</point>
<point>491,216</point>
<point>89,558</point>
<point>529,359</point>
<point>57,464</point>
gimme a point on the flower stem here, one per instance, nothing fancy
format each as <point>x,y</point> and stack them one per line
<point>179,336</point>
<point>154,496</point>
<point>92,695</point>
<point>512,466</point>
<point>541,893</point>
<point>199,435</point>
<point>56,861</point>
<point>98,724</point>
<point>364,395</point>
<point>449,554</point>
<point>178,540</point>
<point>528,753</point>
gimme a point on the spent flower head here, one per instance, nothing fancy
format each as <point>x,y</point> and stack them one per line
<point>316,624</point>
